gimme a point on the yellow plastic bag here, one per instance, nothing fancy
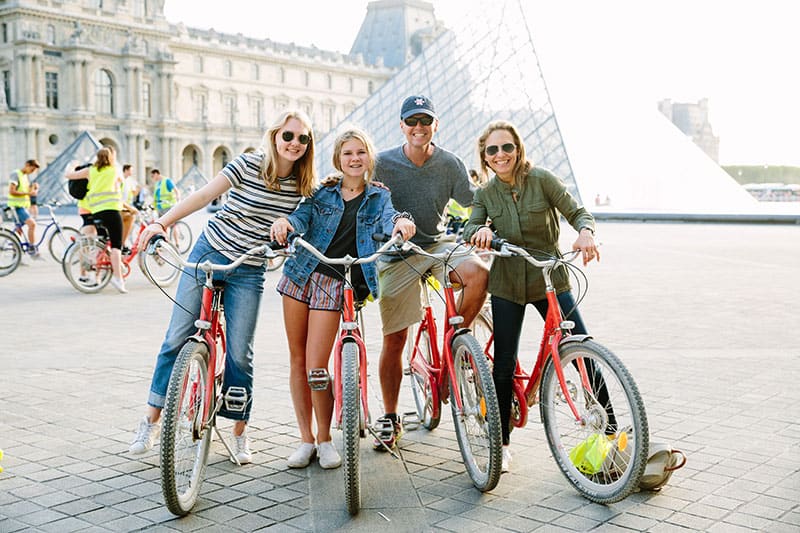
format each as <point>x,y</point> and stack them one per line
<point>1,458</point>
<point>588,456</point>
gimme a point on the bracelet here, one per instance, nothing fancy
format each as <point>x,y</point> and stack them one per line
<point>160,224</point>
<point>587,227</point>
<point>404,214</point>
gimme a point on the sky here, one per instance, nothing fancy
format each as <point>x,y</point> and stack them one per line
<point>740,54</point>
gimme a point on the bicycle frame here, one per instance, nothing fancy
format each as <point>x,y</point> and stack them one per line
<point>19,229</point>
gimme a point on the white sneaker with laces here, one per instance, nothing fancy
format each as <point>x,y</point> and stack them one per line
<point>302,456</point>
<point>146,436</point>
<point>328,456</point>
<point>241,448</point>
<point>119,284</point>
<point>505,466</point>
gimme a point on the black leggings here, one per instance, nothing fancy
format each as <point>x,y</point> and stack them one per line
<point>111,220</point>
<point>508,317</point>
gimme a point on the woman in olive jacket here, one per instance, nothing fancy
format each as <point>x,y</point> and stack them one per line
<point>521,203</point>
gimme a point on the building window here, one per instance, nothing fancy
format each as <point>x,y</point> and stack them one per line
<point>5,32</point>
<point>146,106</point>
<point>229,110</point>
<point>330,81</point>
<point>371,87</point>
<point>306,78</point>
<point>282,75</point>
<point>7,87</point>
<point>198,64</point>
<point>103,92</point>
<point>351,84</point>
<point>51,34</point>
<point>258,113</point>
<point>228,68</point>
<point>51,89</point>
<point>255,72</point>
<point>200,107</point>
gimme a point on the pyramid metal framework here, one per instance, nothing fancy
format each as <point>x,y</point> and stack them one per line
<point>484,70</point>
<point>52,185</point>
<point>191,181</point>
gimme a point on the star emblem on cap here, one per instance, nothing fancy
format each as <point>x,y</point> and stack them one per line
<point>419,101</point>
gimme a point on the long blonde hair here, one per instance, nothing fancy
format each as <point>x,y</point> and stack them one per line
<point>522,166</point>
<point>303,169</point>
<point>350,134</point>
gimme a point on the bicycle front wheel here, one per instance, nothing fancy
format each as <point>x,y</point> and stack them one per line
<point>180,236</point>
<point>86,265</point>
<point>60,240</point>
<point>185,436</point>
<point>351,426</point>
<point>602,456</point>
<point>477,423</point>
<point>10,253</point>
<point>158,268</point>
<point>429,404</point>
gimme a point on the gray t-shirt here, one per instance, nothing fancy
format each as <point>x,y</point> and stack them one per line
<point>425,191</point>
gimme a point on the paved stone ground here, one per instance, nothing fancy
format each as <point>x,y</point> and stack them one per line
<point>704,316</point>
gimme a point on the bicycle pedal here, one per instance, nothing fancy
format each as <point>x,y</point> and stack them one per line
<point>407,371</point>
<point>236,399</point>
<point>318,379</point>
<point>411,421</point>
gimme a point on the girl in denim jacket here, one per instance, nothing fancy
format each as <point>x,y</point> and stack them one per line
<point>339,219</point>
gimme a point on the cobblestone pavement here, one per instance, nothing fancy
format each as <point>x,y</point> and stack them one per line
<point>704,316</point>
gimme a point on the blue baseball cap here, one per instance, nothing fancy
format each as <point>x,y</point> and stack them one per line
<point>417,104</point>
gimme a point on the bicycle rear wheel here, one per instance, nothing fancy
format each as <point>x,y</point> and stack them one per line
<point>429,405</point>
<point>613,423</point>
<point>185,437</point>
<point>159,268</point>
<point>478,428</point>
<point>86,265</point>
<point>10,253</point>
<point>60,240</point>
<point>351,426</point>
<point>180,236</point>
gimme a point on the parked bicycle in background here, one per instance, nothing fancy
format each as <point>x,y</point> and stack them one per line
<point>58,236</point>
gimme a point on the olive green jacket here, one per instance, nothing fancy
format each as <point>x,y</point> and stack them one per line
<point>531,222</point>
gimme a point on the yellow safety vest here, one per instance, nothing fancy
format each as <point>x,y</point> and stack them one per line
<point>23,186</point>
<point>104,194</point>
<point>164,197</point>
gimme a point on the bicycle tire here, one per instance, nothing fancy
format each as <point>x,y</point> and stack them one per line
<point>622,468</point>
<point>81,261</point>
<point>10,253</point>
<point>275,264</point>
<point>60,240</point>
<point>428,404</point>
<point>159,271</point>
<point>184,445</point>
<point>351,426</point>
<point>478,427</point>
<point>180,236</point>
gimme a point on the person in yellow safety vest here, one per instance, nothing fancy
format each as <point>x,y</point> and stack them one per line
<point>165,194</point>
<point>104,200</point>
<point>457,216</point>
<point>19,199</point>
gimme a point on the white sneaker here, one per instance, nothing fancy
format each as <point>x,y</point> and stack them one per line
<point>328,456</point>
<point>241,448</point>
<point>505,466</point>
<point>119,284</point>
<point>302,456</point>
<point>146,436</point>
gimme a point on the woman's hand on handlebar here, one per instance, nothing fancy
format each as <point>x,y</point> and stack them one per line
<point>279,230</point>
<point>405,227</point>
<point>482,238</point>
<point>153,229</point>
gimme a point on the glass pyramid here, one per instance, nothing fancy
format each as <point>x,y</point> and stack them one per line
<point>191,181</point>
<point>486,69</point>
<point>52,184</point>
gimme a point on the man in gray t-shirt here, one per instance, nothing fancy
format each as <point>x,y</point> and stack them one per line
<point>422,178</point>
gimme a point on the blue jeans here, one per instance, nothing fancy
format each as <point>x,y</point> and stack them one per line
<point>242,298</point>
<point>506,346</point>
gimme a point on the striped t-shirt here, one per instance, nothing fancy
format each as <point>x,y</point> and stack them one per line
<point>246,217</point>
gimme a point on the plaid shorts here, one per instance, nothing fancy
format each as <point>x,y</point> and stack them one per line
<point>321,293</point>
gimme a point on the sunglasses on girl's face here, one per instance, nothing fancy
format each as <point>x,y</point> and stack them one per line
<point>413,121</point>
<point>507,148</point>
<point>302,138</point>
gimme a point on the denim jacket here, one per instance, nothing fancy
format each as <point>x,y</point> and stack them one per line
<point>318,217</point>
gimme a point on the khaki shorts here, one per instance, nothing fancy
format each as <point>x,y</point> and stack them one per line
<point>401,289</point>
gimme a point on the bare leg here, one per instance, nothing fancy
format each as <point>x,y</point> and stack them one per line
<point>295,320</point>
<point>322,327</point>
<point>473,275</point>
<point>390,368</point>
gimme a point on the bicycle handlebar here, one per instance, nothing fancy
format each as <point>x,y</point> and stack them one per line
<point>503,248</point>
<point>445,255</point>
<point>295,240</point>
<point>264,252</point>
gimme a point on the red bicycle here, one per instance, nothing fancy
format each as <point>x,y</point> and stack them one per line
<point>351,409</point>
<point>593,415</point>
<point>194,392</point>
<point>459,370</point>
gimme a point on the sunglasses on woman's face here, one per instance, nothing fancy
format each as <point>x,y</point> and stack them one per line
<point>413,121</point>
<point>302,138</point>
<point>507,148</point>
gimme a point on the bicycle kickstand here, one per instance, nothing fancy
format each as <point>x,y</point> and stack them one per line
<point>227,447</point>
<point>377,438</point>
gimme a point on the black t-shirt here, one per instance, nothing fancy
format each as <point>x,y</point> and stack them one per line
<point>344,243</point>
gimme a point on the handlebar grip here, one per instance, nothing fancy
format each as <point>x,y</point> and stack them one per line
<point>154,240</point>
<point>381,237</point>
<point>275,245</point>
<point>497,243</point>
